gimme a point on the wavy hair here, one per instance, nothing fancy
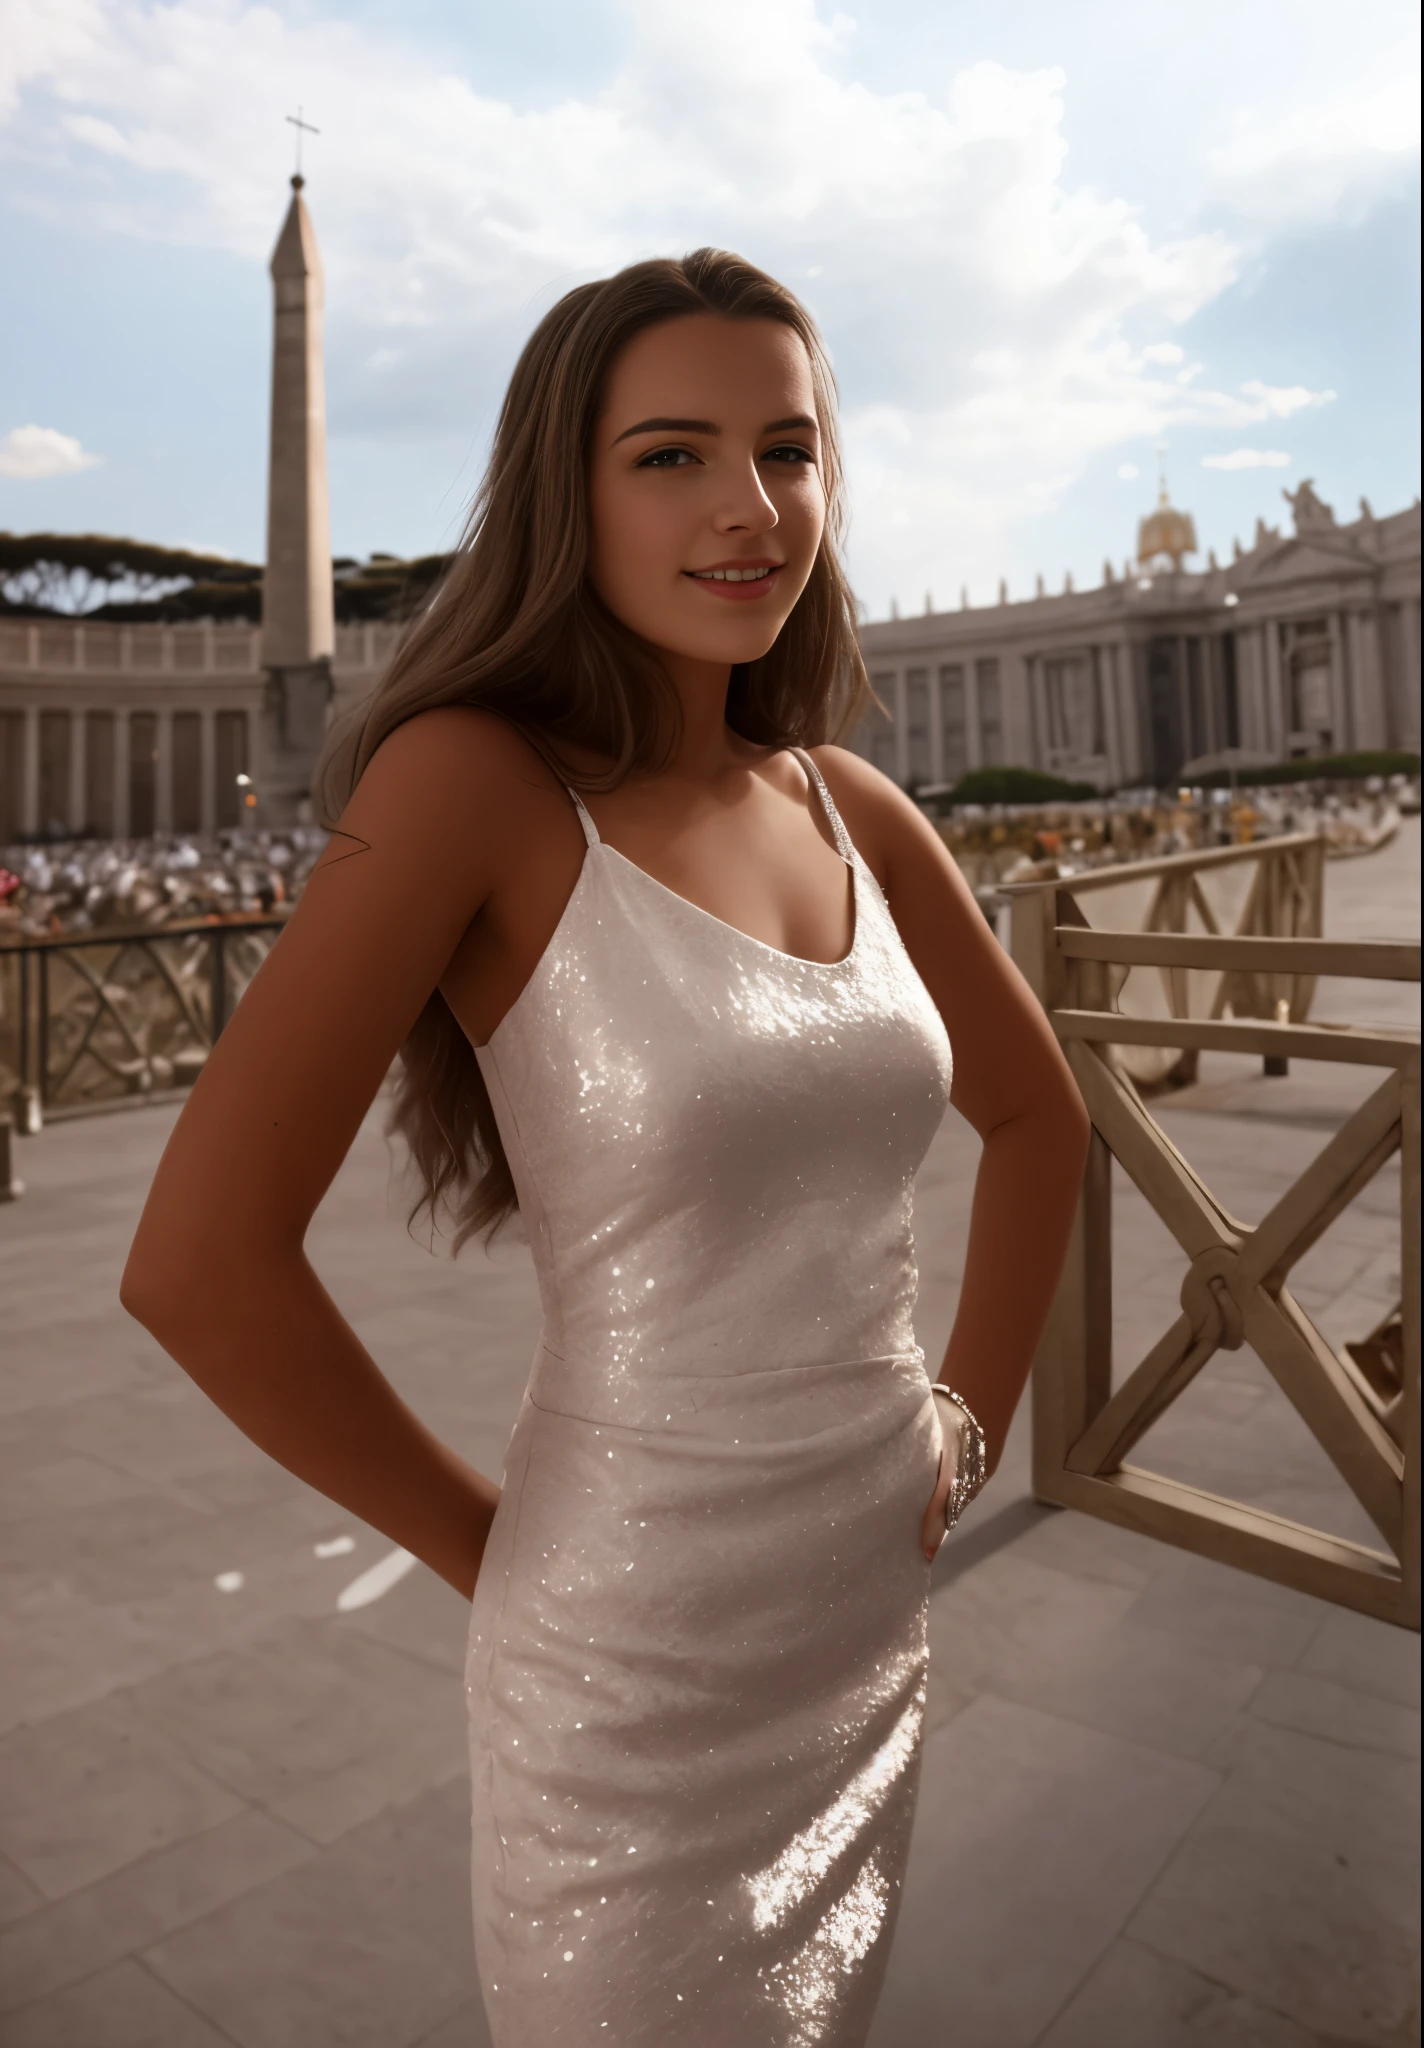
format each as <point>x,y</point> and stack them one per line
<point>515,627</point>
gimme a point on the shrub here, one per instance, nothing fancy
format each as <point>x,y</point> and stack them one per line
<point>1017,786</point>
<point>1316,768</point>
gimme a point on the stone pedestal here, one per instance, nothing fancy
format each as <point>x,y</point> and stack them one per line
<point>295,702</point>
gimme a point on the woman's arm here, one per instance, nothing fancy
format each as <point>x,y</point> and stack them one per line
<point>1011,1082</point>
<point>217,1271</point>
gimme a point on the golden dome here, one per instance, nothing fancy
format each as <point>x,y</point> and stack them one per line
<point>1165,532</point>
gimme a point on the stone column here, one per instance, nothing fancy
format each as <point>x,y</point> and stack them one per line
<point>973,729</point>
<point>30,772</point>
<point>208,770</point>
<point>121,772</point>
<point>1129,766</point>
<point>1371,704</point>
<point>935,713</point>
<point>1276,709</point>
<point>1251,689</point>
<point>901,709</point>
<point>1405,724</point>
<point>1344,681</point>
<point>163,772</point>
<point>1038,726</point>
<point>78,750</point>
<point>1112,730</point>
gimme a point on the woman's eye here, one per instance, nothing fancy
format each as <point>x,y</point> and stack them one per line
<point>788,452</point>
<point>667,458</point>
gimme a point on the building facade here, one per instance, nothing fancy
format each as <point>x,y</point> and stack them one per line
<point>1307,643</point>
<point>127,730</point>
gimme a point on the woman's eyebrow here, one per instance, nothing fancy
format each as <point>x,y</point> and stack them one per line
<point>661,426</point>
<point>671,426</point>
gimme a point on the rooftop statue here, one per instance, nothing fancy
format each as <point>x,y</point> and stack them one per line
<point>1311,514</point>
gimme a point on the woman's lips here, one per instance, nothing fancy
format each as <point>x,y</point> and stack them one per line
<point>743,591</point>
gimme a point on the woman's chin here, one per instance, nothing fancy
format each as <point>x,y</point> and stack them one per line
<point>733,642</point>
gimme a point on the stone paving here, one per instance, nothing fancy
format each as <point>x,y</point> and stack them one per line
<point>1165,1804</point>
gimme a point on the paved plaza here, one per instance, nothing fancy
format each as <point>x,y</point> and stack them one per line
<point>1165,1805</point>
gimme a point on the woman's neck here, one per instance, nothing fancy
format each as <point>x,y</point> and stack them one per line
<point>706,744</point>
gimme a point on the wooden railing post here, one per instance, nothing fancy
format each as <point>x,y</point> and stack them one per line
<point>1361,1404</point>
<point>1410,1221</point>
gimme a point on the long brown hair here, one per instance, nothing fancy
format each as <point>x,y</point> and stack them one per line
<point>516,628</point>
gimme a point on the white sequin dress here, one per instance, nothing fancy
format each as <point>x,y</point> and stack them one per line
<point>697,1647</point>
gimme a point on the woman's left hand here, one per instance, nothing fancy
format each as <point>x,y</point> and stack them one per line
<point>933,1529</point>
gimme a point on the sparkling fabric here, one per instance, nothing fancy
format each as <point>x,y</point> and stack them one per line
<point>697,1646</point>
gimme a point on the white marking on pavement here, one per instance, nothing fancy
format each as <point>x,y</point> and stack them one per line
<point>339,1546</point>
<point>377,1582</point>
<point>229,1582</point>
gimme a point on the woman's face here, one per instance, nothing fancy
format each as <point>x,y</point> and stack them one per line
<point>705,492</point>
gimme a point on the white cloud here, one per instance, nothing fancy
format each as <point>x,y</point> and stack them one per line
<point>30,454</point>
<point>1329,161</point>
<point>1248,458</point>
<point>1279,401</point>
<point>986,313</point>
<point>1128,472</point>
<point>36,42</point>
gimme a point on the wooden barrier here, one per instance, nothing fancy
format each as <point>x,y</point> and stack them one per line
<point>1269,889</point>
<point>1360,1403</point>
<point>88,1023</point>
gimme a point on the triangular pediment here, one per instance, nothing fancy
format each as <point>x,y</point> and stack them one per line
<point>1300,557</point>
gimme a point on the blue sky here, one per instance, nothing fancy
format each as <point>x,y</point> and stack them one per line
<point>1041,241</point>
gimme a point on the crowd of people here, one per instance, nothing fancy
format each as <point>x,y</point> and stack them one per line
<point>1028,842</point>
<point>96,885</point>
<point>86,885</point>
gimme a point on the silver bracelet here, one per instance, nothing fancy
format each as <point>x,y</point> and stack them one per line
<point>975,1468</point>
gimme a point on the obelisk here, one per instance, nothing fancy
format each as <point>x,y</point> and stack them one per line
<point>298,627</point>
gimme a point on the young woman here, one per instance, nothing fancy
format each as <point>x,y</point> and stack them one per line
<point>679,979</point>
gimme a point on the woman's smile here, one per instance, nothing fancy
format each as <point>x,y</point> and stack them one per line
<point>739,581</point>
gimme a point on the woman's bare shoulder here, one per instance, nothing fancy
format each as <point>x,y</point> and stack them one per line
<point>458,776</point>
<point>460,745</point>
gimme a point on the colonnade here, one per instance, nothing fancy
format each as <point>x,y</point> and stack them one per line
<point>124,771</point>
<point>947,717</point>
<point>1143,695</point>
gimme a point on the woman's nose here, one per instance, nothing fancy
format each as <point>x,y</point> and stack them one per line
<point>746,508</point>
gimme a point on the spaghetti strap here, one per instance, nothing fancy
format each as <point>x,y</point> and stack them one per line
<point>590,830</point>
<point>845,846</point>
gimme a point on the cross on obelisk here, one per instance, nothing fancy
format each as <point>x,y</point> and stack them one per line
<point>303,128</point>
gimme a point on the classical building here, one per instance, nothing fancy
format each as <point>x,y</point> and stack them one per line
<point>127,730</point>
<point>1306,643</point>
<point>155,728</point>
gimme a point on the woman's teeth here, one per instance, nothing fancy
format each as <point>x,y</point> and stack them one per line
<point>730,575</point>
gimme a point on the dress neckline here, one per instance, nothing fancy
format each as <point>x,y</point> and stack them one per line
<point>735,930</point>
<point>596,846</point>
<point>844,846</point>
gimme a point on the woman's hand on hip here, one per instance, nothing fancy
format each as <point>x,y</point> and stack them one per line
<point>933,1528</point>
